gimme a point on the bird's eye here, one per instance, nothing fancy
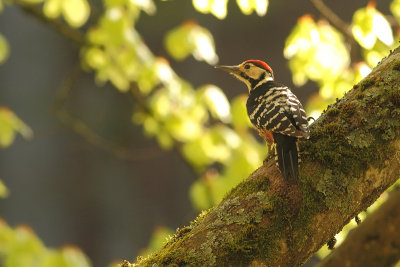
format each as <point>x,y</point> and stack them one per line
<point>247,67</point>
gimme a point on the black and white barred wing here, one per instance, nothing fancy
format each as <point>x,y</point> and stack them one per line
<point>297,115</point>
<point>279,111</point>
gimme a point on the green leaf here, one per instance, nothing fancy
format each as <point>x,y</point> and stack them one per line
<point>177,42</point>
<point>216,101</point>
<point>165,140</point>
<point>73,256</point>
<point>147,6</point>
<point>382,28</point>
<point>183,127</point>
<point>4,49</point>
<point>204,47</point>
<point>202,6</point>
<point>21,247</point>
<point>52,8</point>
<point>248,6</point>
<point>369,25</point>
<point>10,124</point>
<point>315,51</point>
<point>190,38</point>
<point>362,27</point>
<point>76,12</point>
<point>95,57</point>
<point>395,9</point>
<point>118,79</point>
<point>194,152</point>
<point>215,7</point>
<point>3,190</point>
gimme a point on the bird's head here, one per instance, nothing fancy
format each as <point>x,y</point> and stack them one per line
<point>252,72</point>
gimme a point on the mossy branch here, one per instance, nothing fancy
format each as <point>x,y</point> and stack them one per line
<point>375,242</point>
<point>351,158</point>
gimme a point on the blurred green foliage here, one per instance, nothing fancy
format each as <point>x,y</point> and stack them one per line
<point>318,52</point>
<point>213,135</point>
<point>75,12</point>
<point>191,39</point>
<point>218,8</point>
<point>21,247</point>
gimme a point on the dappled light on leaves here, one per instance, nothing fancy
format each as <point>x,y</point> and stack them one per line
<point>363,69</point>
<point>215,7</point>
<point>315,51</point>
<point>218,8</point>
<point>369,25</point>
<point>248,6</point>
<point>243,155</point>
<point>191,39</point>
<point>115,50</point>
<point>216,102</point>
<point>75,12</point>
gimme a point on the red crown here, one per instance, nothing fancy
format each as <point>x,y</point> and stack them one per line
<point>260,64</point>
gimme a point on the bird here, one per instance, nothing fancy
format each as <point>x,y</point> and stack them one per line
<point>275,112</point>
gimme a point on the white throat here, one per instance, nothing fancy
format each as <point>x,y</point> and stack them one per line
<point>266,79</point>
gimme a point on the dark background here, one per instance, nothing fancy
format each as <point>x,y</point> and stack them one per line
<point>71,192</point>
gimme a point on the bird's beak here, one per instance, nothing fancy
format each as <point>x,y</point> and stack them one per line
<point>229,69</point>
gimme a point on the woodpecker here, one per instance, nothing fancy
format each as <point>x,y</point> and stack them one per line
<point>275,111</point>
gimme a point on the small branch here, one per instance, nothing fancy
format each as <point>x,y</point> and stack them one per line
<point>375,242</point>
<point>333,19</point>
<point>36,11</point>
<point>90,136</point>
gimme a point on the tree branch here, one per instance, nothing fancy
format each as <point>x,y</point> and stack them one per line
<point>375,242</point>
<point>331,16</point>
<point>36,11</point>
<point>81,128</point>
<point>350,159</point>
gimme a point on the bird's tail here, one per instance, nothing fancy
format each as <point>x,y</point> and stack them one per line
<point>287,156</point>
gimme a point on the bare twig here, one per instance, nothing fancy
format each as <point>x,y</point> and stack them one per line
<point>90,136</point>
<point>331,16</point>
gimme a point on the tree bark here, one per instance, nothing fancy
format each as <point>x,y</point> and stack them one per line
<point>376,242</point>
<point>351,158</point>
